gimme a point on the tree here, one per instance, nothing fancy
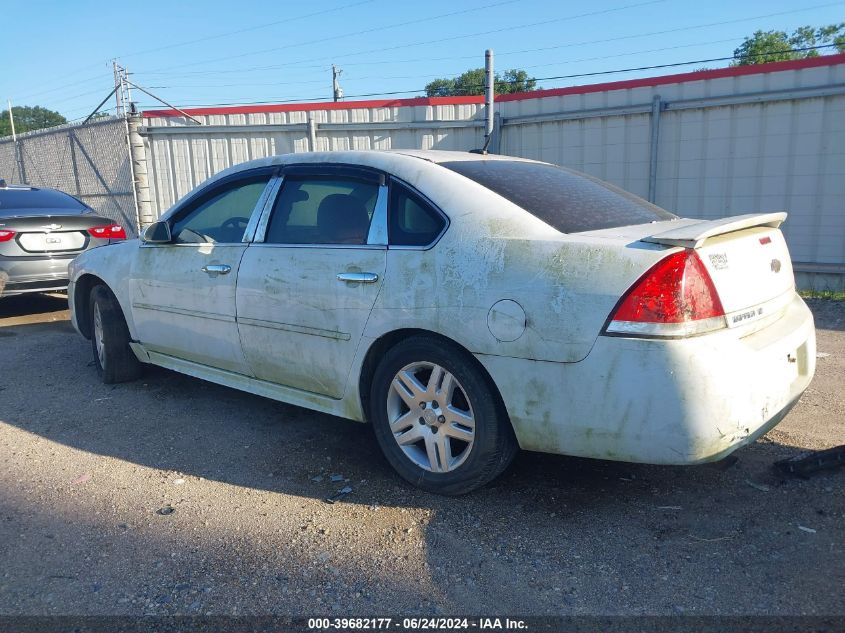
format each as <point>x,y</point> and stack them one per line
<point>779,46</point>
<point>474,82</point>
<point>29,118</point>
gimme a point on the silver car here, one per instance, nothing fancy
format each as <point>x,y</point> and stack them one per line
<point>41,231</point>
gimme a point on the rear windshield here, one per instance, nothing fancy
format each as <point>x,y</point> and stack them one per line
<point>37,202</point>
<point>566,200</point>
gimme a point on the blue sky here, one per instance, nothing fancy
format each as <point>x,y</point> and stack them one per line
<point>57,54</point>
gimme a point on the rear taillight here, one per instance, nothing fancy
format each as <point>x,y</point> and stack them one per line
<point>6,235</point>
<point>110,231</point>
<point>676,297</point>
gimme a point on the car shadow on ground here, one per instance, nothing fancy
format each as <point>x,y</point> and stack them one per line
<point>32,304</point>
<point>175,423</point>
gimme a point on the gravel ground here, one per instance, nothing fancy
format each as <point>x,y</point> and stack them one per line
<point>89,475</point>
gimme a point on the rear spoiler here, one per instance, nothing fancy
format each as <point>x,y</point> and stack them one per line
<point>694,235</point>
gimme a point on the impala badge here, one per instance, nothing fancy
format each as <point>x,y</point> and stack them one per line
<point>775,265</point>
<point>719,260</point>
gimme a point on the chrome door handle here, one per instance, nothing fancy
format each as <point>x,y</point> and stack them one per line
<point>358,278</point>
<point>220,269</point>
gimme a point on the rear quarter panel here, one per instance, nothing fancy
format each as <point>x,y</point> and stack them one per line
<point>494,251</point>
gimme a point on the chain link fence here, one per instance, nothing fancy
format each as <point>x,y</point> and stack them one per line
<point>88,161</point>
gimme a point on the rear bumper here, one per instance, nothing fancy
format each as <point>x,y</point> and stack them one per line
<point>682,401</point>
<point>20,275</point>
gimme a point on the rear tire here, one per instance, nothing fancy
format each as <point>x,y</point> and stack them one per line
<point>114,360</point>
<point>438,418</point>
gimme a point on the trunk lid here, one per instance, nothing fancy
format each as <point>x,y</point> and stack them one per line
<point>747,259</point>
<point>40,234</point>
<point>746,256</point>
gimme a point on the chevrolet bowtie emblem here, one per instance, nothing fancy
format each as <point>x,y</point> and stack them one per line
<point>52,227</point>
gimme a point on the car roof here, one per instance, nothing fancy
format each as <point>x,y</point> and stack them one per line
<point>386,160</point>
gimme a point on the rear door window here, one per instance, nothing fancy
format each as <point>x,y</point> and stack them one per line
<point>568,201</point>
<point>411,220</point>
<point>322,210</point>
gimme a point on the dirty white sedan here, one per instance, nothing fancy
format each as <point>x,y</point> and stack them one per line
<point>466,306</point>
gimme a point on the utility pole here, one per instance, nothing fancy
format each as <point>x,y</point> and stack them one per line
<point>118,87</point>
<point>337,91</point>
<point>18,154</point>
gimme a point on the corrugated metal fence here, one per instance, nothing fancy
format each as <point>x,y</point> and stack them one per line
<point>708,144</point>
<point>89,161</point>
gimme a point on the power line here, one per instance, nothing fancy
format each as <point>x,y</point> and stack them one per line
<point>247,29</point>
<point>299,63</point>
<point>679,29</point>
<point>502,82</point>
<point>256,27</point>
<point>352,34</point>
<point>353,78</point>
<point>62,87</point>
<point>457,37</point>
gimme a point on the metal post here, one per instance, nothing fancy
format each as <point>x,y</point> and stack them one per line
<point>656,107</point>
<point>18,155</point>
<point>312,132</point>
<point>496,143</point>
<point>71,136</point>
<point>140,175</point>
<point>488,98</point>
<point>12,122</point>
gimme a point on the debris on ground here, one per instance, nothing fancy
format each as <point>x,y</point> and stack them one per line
<point>82,478</point>
<point>178,482</point>
<point>806,529</point>
<point>337,477</point>
<point>340,494</point>
<point>756,486</point>
<point>317,479</point>
<point>804,464</point>
<point>822,354</point>
<point>668,507</point>
<point>710,540</point>
<point>165,510</point>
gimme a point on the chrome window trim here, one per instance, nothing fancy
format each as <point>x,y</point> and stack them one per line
<point>368,247</point>
<point>267,210</point>
<point>194,244</point>
<point>427,200</point>
<point>267,195</point>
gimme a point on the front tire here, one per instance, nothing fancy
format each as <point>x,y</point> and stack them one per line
<point>438,419</point>
<point>114,360</point>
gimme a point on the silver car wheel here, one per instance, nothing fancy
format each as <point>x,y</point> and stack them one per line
<point>98,335</point>
<point>430,417</point>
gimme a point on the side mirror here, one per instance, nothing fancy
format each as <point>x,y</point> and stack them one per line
<point>158,233</point>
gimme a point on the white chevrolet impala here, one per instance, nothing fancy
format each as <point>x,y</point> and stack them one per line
<point>465,305</point>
